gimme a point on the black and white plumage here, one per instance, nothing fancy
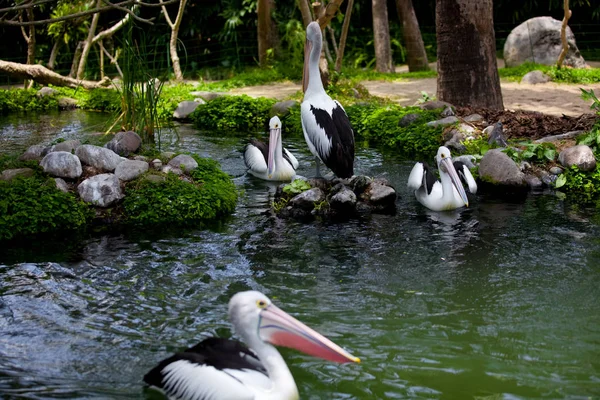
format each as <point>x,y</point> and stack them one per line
<point>219,369</point>
<point>327,129</point>
<point>446,194</point>
<point>271,161</point>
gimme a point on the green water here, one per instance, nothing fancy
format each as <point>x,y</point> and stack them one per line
<point>498,301</point>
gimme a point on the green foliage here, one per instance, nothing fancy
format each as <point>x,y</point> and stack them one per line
<point>534,152</point>
<point>25,100</point>
<point>297,186</point>
<point>477,147</point>
<point>585,185</point>
<point>34,205</point>
<point>170,97</point>
<point>562,75</point>
<point>590,95</point>
<point>233,113</point>
<point>211,194</point>
<point>247,77</point>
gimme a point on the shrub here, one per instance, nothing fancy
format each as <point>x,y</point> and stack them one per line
<point>25,100</point>
<point>34,205</point>
<point>237,113</point>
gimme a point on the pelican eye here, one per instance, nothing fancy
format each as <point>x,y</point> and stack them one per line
<point>261,303</point>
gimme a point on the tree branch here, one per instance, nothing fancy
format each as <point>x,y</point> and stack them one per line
<point>130,12</point>
<point>164,10</point>
<point>330,10</point>
<point>24,6</point>
<point>112,30</point>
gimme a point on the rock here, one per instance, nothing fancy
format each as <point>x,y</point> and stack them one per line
<point>307,199</point>
<point>35,152</point>
<point>524,166</point>
<point>580,155</point>
<point>156,164</point>
<point>443,122</point>
<point>548,179</point>
<point>155,178</point>
<point>448,112</point>
<point>408,119</point>
<point>455,145</point>
<point>67,145</point>
<point>379,195</point>
<point>101,190</point>
<point>498,169</point>
<point>467,159</point>
<point>62,164</point>
<point>556,170</point>
<point>61,185</point>
<point>168,155</point>
<point>67,103</point>
<point>359,183</point>
<point>435,104</point>
<point>130,169</point>
<point>207,96</point>
<point>496,135</point>
<point>533,182</point>
<point>535,77</point>
<point>184,162</point>
<point>46,91</point>
<point>474,118</point>
<point>538,40</point>
<point>10,174</point>
<point>125,143</point>
<point>185,109</point>
<point>282,108</point>
<point>562,136</point>
<point>344,199</point>
<point>140,158</point>
<point>174,170</point>
<point>98,157</point>
<point>459,132</point>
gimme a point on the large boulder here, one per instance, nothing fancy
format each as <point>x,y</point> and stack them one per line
<point>130,169</point>
<point>581,156</point>
<point>101,190</point>
<point>62,164</point>
<point>498,169</point>
<point>35,152</point>
<point>186,108</point>
<point>538,40</point>
<point>67,145</point>
<point>184,162</point>
<point>307,199</point>
<point>98,157</point>
<point>125,143</point>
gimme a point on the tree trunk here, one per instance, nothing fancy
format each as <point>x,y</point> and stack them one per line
<point>381,33</point>
<point>305,11</point>
<point>44,76</point>
<point>30,39</point>
<point>264,30</point>
<point>87,45</point>
<point>174,34</point>
<point>344,35</point>
<point>54,53</point>
<point>415,49</point>
<point>76,59</point>
<point>563,35</point>
<point>467,68</point>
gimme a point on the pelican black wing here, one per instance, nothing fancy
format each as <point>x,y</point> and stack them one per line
<point>428,177</point>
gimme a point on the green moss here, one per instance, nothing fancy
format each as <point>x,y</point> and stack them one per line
<point>34,205</point>
<point>12,100</point>
<point>562,75</point>
<point>210,195</point>
<point>233,113</point>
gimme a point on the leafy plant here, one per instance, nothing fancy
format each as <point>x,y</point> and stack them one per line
<point>237,113</point>
<point>590,95</point>
<point>535,152</point>
<point>585,185</point>
<point>296,187</point>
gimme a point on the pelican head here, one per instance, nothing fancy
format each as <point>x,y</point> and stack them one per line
<point>314,39</point>
<point>274,141</point>
<point>255,317</point>
<point>445,165</point>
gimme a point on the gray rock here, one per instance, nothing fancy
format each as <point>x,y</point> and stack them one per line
<point>174,170</point>
<point>562,136</point>
<point>184,162</point>
<point>538,40</point>
<point>443,122</point>
<point>46,91</point>
<point>10,174</point>
<point>496,135</point>
<point>455,145</point>
<point>533,182</point>
<point>379,195</point>
<point>35,152</point>
<point>548,179</point>
<point>474,118</point>
<point>448,112</point>
<point>580,155</point>
<point>282,108</point>
<point>535,77</point>
<point>125,143</point>
<point>556,170</point>
<point>207,96</point>
<point>98,157</point>
<point>525,166</point>
<point>130,169</point>
<point>67,145</point>
<point>185,109</point>
<point>155,178</point>
<point>307,199</point>
<point>499,169</point>
<point>156,164</point>
<point>168,154</point>
<point>435,104</point>
<point>467,159</point>
<point>459,132</point>
<point>359,183</point>
<point>101,190</point>
<point>408,119</point>
<point>61,185</point>
<point>67,103</point>
<point>62,164</point>
<point>344,199</point>
<point>140,158</point>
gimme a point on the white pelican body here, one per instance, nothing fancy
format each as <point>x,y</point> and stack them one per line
<point>326,126</point>
<point>225,369</point>
<point>448,194</point>
<point>270,162</point>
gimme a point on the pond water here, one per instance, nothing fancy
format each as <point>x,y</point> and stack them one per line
<point>498,301</point>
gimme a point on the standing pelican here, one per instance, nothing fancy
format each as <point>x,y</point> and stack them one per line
<point>224,369</point>
<point>272,162</point>
<point>450,193</point>
<point>326,126</point>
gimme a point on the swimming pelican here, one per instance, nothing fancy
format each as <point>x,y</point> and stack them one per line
<point>219,369</point>
<point>272,162</point>
<point>450,193</point>
<point>326,126</point>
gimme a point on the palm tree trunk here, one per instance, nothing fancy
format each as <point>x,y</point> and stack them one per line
<point>381,33</point>
<point>415,49</point>
<point>264,30</point>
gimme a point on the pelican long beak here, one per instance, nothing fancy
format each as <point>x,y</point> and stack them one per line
<point>305,77</point>
<point>273,140</point>
<point>447,166</point>
<point>281,329</point>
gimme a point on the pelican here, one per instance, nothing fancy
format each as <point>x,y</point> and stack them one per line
<point>326,126</point>
<point>272,162</point>
<point>450,193</point>
<point>224,369</point>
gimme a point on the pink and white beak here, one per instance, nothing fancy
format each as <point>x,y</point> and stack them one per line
<point>274,135</point>
<point>281,329</point>
<point>305,76</point>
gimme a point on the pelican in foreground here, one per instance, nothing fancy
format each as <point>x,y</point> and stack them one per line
<point>326,126</point>
<point>448,194</point>
<point>270,162</point>
<point>224,369</point>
